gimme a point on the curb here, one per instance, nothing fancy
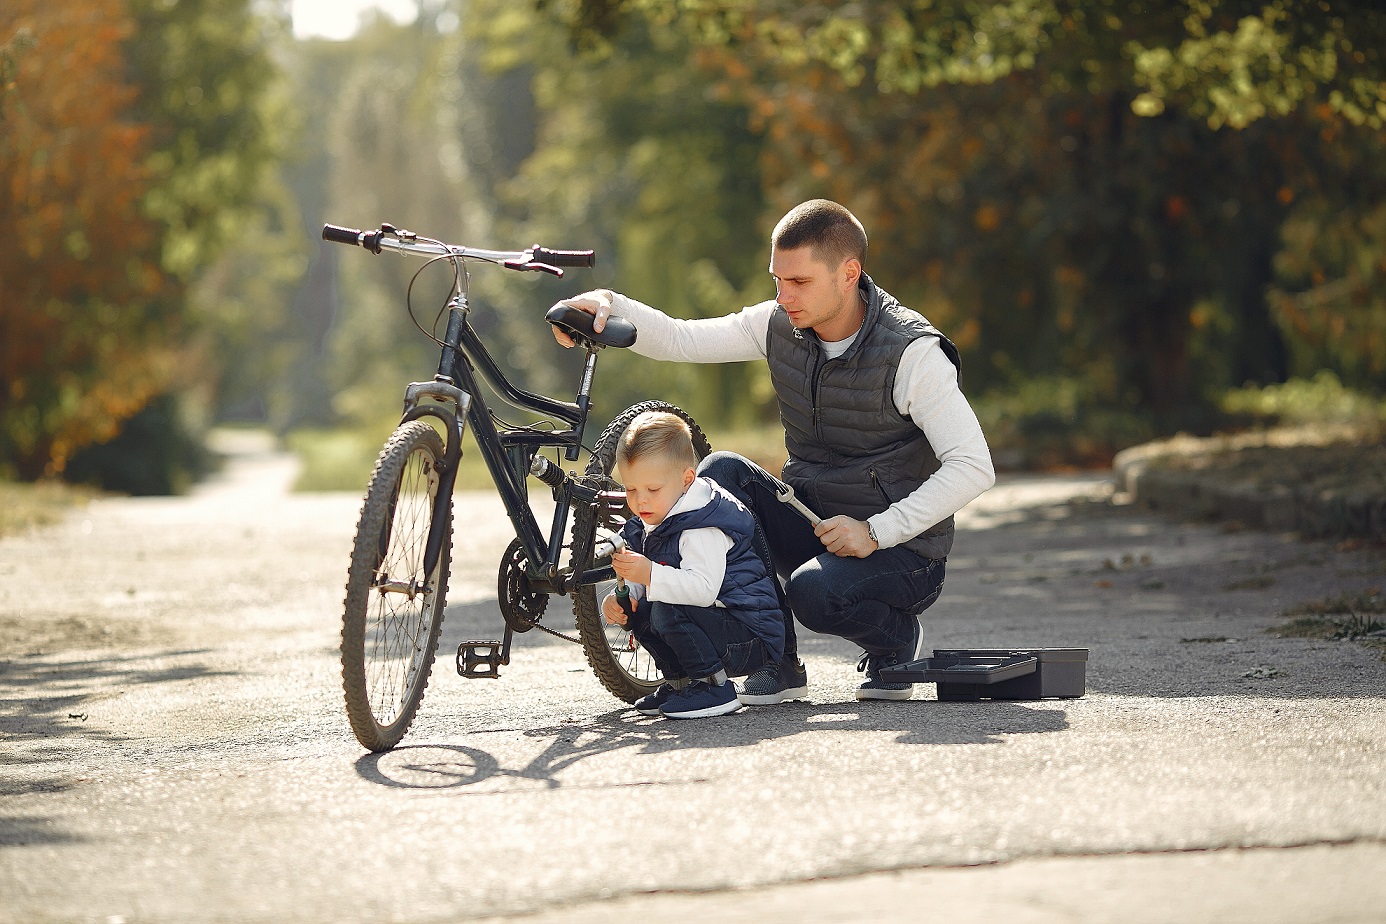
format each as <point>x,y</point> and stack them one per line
<point>1176,477</point>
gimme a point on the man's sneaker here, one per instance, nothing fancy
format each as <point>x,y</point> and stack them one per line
<point>775,683</point>
<point>649,703</point>
<point>701,700</point>
<point>876,688</point>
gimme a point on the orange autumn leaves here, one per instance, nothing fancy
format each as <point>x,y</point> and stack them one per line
<point>81,344</point>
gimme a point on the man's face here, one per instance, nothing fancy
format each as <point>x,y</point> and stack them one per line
<point>812,293</point>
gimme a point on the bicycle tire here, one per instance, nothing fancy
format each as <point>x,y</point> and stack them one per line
<point>390,637</point>
<point>625,669</point>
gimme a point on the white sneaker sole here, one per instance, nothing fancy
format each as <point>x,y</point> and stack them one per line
<point>709,712</point>
<point>886,694</point>
<point>771,699</point>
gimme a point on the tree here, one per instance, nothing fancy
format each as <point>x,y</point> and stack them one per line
<point>80,346</point>
<point>135,139</point>
<point>1073,188</point>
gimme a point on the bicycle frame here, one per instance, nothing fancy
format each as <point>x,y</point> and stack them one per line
<point>508,454</point>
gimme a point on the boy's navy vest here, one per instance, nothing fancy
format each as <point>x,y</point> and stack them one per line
<point>851,451</point>
<point>746,589</point>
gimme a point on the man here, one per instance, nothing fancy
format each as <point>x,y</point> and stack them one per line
<point>881,442</point>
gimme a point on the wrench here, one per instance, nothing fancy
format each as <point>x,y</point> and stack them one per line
<point>785,494</point>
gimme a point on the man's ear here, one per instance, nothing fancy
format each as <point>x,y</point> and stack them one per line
<point>851,272</point>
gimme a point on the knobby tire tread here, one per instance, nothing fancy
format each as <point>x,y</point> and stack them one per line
<point>586,607</point>
<point>376,507</point>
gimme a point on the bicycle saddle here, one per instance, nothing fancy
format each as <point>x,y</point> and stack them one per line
<point>577,324</point>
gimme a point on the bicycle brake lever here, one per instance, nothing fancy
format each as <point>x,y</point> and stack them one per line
<point>523,265</point>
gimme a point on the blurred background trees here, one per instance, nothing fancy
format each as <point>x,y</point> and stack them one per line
<point>1122,212</point>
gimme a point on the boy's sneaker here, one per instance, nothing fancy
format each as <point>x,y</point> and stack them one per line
<point>649,703</point>
<point>775,683</point>
<point>876,688</point>
<point>701,700</point>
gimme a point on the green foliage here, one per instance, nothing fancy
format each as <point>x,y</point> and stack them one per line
<point>1320,400</point>
<point>1058,185</point>
<point>210,91</point>
<point>649,161</point>
<point>1055,421</point>
<point>158,451</point>
<point>1229,62</point>
<point>121,192</point>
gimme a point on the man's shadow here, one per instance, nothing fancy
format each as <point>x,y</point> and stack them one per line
<point>918,722</point>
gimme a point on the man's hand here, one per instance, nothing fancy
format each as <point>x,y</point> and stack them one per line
<point>846,537</point>
<point>611,609</point>
<point>631,566</point>
<point>596,303</point>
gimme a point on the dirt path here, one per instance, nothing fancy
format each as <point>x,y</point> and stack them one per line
<point>173,748</point>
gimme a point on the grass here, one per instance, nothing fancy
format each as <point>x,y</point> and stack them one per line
<point>342,459</point>
<point>25,506</point>
<point>1348,616</point>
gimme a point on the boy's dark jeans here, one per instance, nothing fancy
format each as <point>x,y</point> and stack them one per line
<point>871,601</point>
<point>696,641</point>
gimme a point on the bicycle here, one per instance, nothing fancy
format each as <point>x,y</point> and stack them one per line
<point>397,582</point>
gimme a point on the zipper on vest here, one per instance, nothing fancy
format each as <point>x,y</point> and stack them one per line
<point>880,489</point>
<point>817,370</point>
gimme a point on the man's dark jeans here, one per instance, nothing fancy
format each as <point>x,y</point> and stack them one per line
<point>871,601</point>
<point>696,641</point>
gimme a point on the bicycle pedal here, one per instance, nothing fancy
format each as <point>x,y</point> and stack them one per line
<point>481,659</point>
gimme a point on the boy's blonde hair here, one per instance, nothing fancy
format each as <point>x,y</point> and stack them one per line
<point>657,433</point>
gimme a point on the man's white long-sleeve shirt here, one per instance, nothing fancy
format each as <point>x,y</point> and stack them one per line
<point>926,391</point>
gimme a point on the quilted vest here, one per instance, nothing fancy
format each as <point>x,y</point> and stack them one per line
<point>746,590</point>
<point>851,451</point>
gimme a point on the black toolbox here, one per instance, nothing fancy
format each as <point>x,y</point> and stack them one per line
<point>970,674</point>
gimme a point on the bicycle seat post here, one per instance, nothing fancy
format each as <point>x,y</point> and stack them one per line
<point>584,399</point>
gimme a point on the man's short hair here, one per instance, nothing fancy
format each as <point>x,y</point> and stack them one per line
<point>833,232</point>
<point>657,433</point>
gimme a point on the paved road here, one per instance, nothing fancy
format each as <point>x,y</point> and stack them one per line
<point>173,747</point>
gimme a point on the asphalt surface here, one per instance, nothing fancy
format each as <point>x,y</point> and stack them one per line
<point>173,745</point>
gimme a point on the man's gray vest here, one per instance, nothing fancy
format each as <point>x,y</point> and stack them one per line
<point>851,452</point>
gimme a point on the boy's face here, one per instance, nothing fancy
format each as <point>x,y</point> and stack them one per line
<point>654,485</point>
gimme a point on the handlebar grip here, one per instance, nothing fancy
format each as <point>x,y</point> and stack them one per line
<point>564,257</point>
<point>339,235</point>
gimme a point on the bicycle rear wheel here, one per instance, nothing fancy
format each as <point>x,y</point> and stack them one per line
<point>393,611</point>
<point>623,667</point>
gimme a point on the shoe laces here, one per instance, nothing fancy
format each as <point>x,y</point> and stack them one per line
<point>871,664</point>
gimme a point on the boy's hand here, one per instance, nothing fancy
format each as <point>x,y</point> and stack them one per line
<point>632,566</point>
<point>846,537</point>
<point>611,609</point>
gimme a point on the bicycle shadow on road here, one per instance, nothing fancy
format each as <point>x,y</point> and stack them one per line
<point>917,722</point>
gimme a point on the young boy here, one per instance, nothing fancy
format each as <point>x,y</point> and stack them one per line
<point>704,607</point>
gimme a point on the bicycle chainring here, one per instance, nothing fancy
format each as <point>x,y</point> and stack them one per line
<point>521,605</point>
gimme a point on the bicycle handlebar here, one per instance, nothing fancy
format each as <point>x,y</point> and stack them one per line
<point>388,237</point>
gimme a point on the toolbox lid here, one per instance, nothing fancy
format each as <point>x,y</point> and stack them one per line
<point>1044,655</point>
<point>972,669</point>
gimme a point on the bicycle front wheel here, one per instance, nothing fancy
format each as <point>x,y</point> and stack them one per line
<point>623,667</point>
<point>394,612</point>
